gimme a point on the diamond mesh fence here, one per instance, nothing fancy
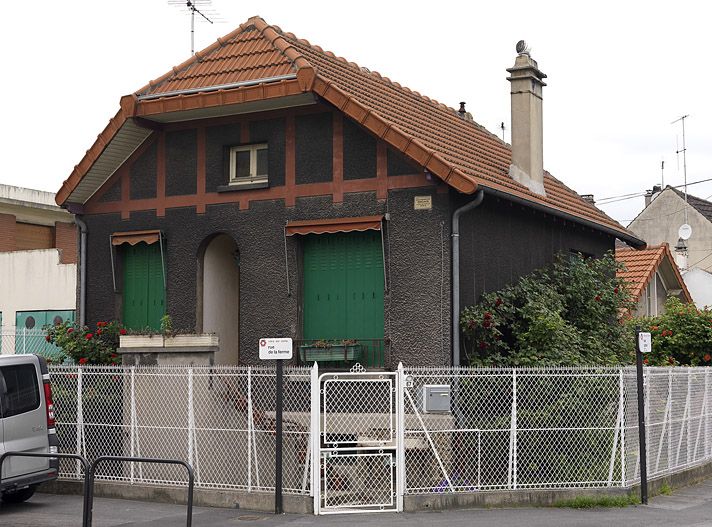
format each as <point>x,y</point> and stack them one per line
<point>24,340</point>
<point>221,420</point>
<point>505,429</point>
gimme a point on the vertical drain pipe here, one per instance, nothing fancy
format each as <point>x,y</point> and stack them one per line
<point>456,273</point>
<point>82,268</point>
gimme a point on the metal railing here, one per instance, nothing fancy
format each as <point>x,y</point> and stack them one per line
<point>335,354</point>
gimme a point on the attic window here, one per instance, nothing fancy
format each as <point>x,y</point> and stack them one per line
<point>248,165</point>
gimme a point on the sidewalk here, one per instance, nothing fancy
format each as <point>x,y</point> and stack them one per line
<point>686,507</point>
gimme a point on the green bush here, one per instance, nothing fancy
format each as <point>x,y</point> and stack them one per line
<point>565,314</point>
<point>682,336</point>
<point>85,346</point>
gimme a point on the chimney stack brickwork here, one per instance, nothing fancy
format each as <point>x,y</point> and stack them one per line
<point>527,82</point>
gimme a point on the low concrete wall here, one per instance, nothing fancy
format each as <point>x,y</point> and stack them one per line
<point>263,501</point>
<point>225,498</point>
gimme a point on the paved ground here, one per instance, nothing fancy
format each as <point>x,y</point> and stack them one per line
<point>687,507</point>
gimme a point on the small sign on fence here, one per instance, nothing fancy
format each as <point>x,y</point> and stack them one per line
<point>276,349</point>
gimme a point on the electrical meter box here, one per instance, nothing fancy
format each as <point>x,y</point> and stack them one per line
<point>436,398</point>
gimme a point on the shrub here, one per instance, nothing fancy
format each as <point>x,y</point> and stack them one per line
<point>565,314</point>
<point>85,346</point>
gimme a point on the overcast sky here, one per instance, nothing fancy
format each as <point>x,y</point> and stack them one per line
<point>618,74</point>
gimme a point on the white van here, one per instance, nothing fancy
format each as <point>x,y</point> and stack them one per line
<point>26,425</point>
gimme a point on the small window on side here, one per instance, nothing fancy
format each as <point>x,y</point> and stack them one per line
<point>248,164</point>
<point>22,393</point>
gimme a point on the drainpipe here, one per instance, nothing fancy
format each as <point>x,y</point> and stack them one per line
<point>456,273</point>
<point>82,267</point>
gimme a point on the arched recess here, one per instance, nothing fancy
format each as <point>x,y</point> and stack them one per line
<point>219,295</point>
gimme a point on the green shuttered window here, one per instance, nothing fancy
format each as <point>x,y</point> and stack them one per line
<point>343,286</point>
<point>144,292</point>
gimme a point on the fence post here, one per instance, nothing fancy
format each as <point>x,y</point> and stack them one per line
<point>669,436</point>
<point>315,438</point>
<point>400,437</point>
<point>80,420</point>
<point>708,440</point>
<point>512,472</point>
<point>191,438</point>
<point>249,429</point>
<point>132,410</point>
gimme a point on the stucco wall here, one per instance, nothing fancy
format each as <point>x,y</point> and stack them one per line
<point>699,283</point>
<point>660,221</point>
<point>35,281</point>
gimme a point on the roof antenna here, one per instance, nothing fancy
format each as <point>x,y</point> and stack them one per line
<point>502,127</point>
<point>684,157</point>
<point>205,13</point>
<point>662,174</point>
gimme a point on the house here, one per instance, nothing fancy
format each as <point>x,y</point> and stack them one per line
<point>652,276</point>
<point>660,221</point>
<point>699,283</point>
<point>38,268</point>
<point>267,187</point>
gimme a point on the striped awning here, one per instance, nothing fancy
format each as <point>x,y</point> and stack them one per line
<point>333,225</point>
<point>134,237</point>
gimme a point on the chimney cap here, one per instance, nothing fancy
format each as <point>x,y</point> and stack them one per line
<point>462,110</point>
<point>523,48</point>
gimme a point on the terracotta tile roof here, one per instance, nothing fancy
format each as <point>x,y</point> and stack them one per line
<point>460,152</point>
<point>640,267</point>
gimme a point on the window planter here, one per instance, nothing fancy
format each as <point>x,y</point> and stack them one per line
<point>144,350</point>
<point>333,353</point>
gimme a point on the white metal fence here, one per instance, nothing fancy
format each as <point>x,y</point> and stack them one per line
<point>533,428</point>
<point>24,340</point>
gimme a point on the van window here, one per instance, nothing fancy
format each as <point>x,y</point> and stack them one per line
<point>22,393</point>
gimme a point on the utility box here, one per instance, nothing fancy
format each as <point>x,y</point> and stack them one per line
<point>436,398</point>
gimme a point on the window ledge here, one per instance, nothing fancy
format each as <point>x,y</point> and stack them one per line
<point>246,185</point>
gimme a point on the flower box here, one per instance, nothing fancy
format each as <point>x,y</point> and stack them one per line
<point>141,341</point>
<point>187,341</point>
<point>332,353</point>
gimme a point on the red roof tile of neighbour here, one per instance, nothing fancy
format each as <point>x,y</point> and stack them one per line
<point>640,267</point>
<point>460,152</point>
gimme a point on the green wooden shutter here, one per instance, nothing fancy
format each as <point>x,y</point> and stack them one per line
<point>343,286</point>
<point>143,290</point>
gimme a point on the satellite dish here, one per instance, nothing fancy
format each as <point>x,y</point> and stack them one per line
<point>685,231</point>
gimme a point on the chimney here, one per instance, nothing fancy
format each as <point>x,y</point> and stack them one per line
<point>681,254</point>
<point>527,165</point>
<point>650,195</point>
<point>589,198</point>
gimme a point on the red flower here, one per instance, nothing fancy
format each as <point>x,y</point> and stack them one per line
<point>48,338</point>
<point>483,345</point>
<point>598,298</point>
<point>498,302</point>
<point>645,361</point>
<point>98,332</point>
<point>70,330</point>
<point>486,324</point>
<point>471,324</point>
<point>615,290</point>
<point>707,357</point>
<point>671,360</point>
<point>83,360</point>
<point>488,315</point>
<point>114,355</point>
<point>122,331</point>
<point>89,336</point>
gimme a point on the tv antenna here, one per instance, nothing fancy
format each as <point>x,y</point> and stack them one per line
<point>503,128</point>
<point>684,156</point>
<point>202,8</point>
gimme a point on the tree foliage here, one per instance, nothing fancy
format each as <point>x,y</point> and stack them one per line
<point>565,314</point>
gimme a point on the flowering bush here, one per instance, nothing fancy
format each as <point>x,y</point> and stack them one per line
<point>565,314</point>
<point>681,336</point>
<point>85,345</point>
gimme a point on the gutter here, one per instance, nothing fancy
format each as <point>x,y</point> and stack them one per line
<point>627,238</point>
<point>190,91</point>
<point>82,268</point>
<point>456,273</point>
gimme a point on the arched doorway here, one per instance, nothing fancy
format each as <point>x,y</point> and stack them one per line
<point>219,296</point>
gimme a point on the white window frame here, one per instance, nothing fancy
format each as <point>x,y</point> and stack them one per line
<point>253,177</point>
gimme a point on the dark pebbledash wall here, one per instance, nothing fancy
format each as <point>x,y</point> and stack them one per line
<point>501,241</point>
<point>417,242</point>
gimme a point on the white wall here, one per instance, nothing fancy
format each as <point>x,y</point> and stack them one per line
<point>34,281</point>
<point>699,283</point>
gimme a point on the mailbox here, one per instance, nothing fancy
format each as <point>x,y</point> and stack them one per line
<point>436,398</point>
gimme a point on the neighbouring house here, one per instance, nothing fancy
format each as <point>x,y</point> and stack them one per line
<point>660,221</point>
<point>699,283</point>
<point>38,267</point>
<point>652,276</point>
<point>266,187</point>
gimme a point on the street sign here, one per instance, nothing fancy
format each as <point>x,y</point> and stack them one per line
<point>276,349</point>
<point>645,342</point>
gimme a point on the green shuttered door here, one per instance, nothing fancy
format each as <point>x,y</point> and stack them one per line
<point>144,291</point>
<point>343,286</point>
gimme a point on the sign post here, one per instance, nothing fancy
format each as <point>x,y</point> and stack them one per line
<point>279,349</point>
<point>643,344</point>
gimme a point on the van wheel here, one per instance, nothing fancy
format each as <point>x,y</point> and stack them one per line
<point>18,496</point>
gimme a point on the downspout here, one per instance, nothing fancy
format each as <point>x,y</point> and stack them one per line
<point>82,267</point>
<point>456,273</point>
